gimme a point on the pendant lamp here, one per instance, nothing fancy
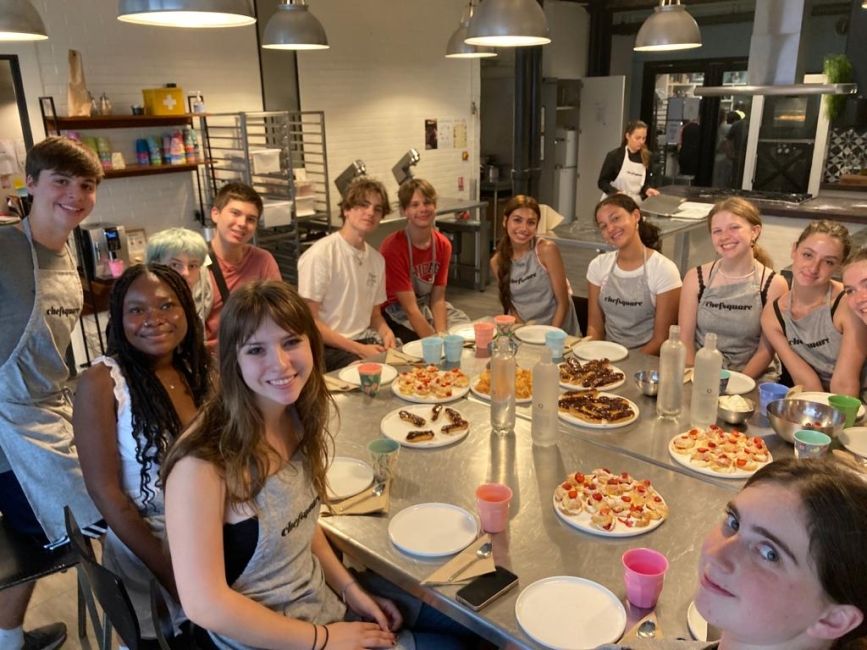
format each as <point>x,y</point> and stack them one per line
<point>19,21</point>
<point>457,48</point>
<point>293,27</point>
<point>669,27</point>
<point>187,13</point>
<point>508,23</point>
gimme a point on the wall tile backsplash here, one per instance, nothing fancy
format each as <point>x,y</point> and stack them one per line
<point>847,152</point>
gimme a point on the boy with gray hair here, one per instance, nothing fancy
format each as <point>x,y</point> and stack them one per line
<point>186,252</point>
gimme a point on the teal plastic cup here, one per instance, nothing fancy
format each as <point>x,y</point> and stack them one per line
<point>811,444</point>
<point>432,349</point>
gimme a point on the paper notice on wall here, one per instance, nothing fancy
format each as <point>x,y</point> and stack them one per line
<point>460,134</point>
<point>431,135</point>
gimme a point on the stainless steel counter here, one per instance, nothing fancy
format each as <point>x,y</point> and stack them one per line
<point>536,544</point>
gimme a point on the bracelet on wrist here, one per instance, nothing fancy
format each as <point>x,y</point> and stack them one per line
<point>315,636</point>
<point>325,643</point>
<point>345,589</point>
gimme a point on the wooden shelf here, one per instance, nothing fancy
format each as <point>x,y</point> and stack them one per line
<point>116,121</point>
<point>149,170</point>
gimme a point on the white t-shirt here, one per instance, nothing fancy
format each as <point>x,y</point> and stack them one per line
<point>346,282</point>
<point>662,273</point>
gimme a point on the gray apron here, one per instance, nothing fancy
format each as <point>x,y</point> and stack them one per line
<point>627,305</point>
<point>533,296</point>
<point>422,289</point>
<point>814,337</point>
<point>734,313</point>
<point>35,410</point>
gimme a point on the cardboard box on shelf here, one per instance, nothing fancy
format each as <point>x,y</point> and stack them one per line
<point>164,101</point>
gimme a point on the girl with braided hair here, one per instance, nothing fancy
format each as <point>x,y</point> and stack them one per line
<point>129,408</point>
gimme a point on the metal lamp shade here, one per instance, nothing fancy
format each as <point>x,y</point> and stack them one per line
<point>187,13</point>
<point>19,21</point>
<point>458,49</point>
<point>508,23</point>
<point>293,27</point>
<point>670,27</point>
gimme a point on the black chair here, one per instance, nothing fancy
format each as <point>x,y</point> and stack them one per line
<point>190,637</point>
<point>95,581</point>
<point>22,560</point>
<point>580,303</point>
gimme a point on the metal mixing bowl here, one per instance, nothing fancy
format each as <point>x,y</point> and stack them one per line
<point>736,417</point>
<point>647,382</point>
<point>790,415</point>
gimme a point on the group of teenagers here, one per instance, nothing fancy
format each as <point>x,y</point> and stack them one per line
<point>208,467</point>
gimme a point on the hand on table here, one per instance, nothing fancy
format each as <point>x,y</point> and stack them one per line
<point>651,192</point>
<point>365,351</point>
<point>350,636</point>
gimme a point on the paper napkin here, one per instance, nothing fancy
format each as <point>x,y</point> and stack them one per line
<point>477,568</point>
<point>395,357</point>
<point>364,503</point>
<point>338,385</point>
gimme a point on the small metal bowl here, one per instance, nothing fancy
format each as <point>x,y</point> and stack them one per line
<point>736,417</point>
<point>647,382</point>
<point>790,415</point>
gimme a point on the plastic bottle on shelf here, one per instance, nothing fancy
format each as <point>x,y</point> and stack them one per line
<point>179,156</point>
<point>672,360</point>
<point>198,102</point>
<point>502,388</point>
<point>155,150</point>
<point>142,152</point>
<point>705,383</point>
<point>546,393</point>
<point>191,146</point>
<point>103,149</point>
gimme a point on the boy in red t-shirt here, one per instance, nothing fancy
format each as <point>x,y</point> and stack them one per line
<point>417,268</point>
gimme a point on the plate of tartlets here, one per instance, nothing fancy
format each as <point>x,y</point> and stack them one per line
<point>597,373</point>
<point>430,385</point>
<point>425,426</point>
<point>481,386</point>
<point>596,409</point>
<point>712,451</point>
<point>604,503</point>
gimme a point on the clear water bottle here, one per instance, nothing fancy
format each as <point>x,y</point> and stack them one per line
<point>503,387</point>
<point>672,359</point>
<point>546,393</point>
<point>705,383</point>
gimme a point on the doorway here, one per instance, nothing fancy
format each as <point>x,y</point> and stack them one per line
<point>15,135</point>
<point>690,135</point>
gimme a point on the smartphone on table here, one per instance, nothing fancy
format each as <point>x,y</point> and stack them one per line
<point>486,588</point>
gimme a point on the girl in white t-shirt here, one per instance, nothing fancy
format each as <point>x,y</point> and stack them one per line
<point>632,292</point>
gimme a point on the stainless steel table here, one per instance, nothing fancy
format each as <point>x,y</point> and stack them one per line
<point>536,544</point>
<point>581,234</point>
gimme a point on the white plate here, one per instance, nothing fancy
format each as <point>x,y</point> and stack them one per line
<point>347,477</point>
<point>413,349</point>
<point>739,383</point>
<point>854,439</point>
<point>696,623</point>
<point>570,613</point>
<point>457,393</point>
<point>610,386</point>
<point>433,529</point>
<point>822,398</point>
<point>684,459</point>
<point>396,429</point>
<point>571,419</point>
<point>535,334</point>
<point>350,374</point>
<point>589,350</point>
<point>487,397</point>
<point>465,330</point>
<point>582,522</point>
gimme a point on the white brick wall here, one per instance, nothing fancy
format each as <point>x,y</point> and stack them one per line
<point>383,76</point>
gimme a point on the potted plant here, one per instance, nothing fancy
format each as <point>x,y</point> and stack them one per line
<point>838,70</point>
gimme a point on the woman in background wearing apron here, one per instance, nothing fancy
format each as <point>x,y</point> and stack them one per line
<point>130,407</point>
<point>530,272</point>
<point>727,296</point>
<point>811,327</point>
<point>633,291</point>
<point>627,168</point>
<point>417,268</point>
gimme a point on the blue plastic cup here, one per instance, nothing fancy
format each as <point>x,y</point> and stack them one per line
<point>556,340</point>
<point>432,349</point>
<point>453,346</point>
<point>768,392</point>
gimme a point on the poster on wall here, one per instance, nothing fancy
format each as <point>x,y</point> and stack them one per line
<point>430,134</point>
<point>445,133</point>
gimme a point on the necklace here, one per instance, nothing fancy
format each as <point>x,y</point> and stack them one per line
<point>358,256</point>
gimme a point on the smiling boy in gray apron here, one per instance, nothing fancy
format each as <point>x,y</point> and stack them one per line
<point>42,298</point>
<point>428,277</point>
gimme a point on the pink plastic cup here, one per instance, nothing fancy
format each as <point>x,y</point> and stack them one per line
<point>644,572</point>
<point>492,501</point>
<point>484,333</point>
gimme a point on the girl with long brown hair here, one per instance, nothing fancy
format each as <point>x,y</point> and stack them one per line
<point>626,169</point>
<point>529,270</point>
<point>727,296</point>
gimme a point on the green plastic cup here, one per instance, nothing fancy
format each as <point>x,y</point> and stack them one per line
<point>847,405</point>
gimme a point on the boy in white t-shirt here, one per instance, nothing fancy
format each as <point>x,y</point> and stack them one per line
<point>342,279</point>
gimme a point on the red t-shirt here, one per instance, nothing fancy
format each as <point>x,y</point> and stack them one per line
<point>397,272</point>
